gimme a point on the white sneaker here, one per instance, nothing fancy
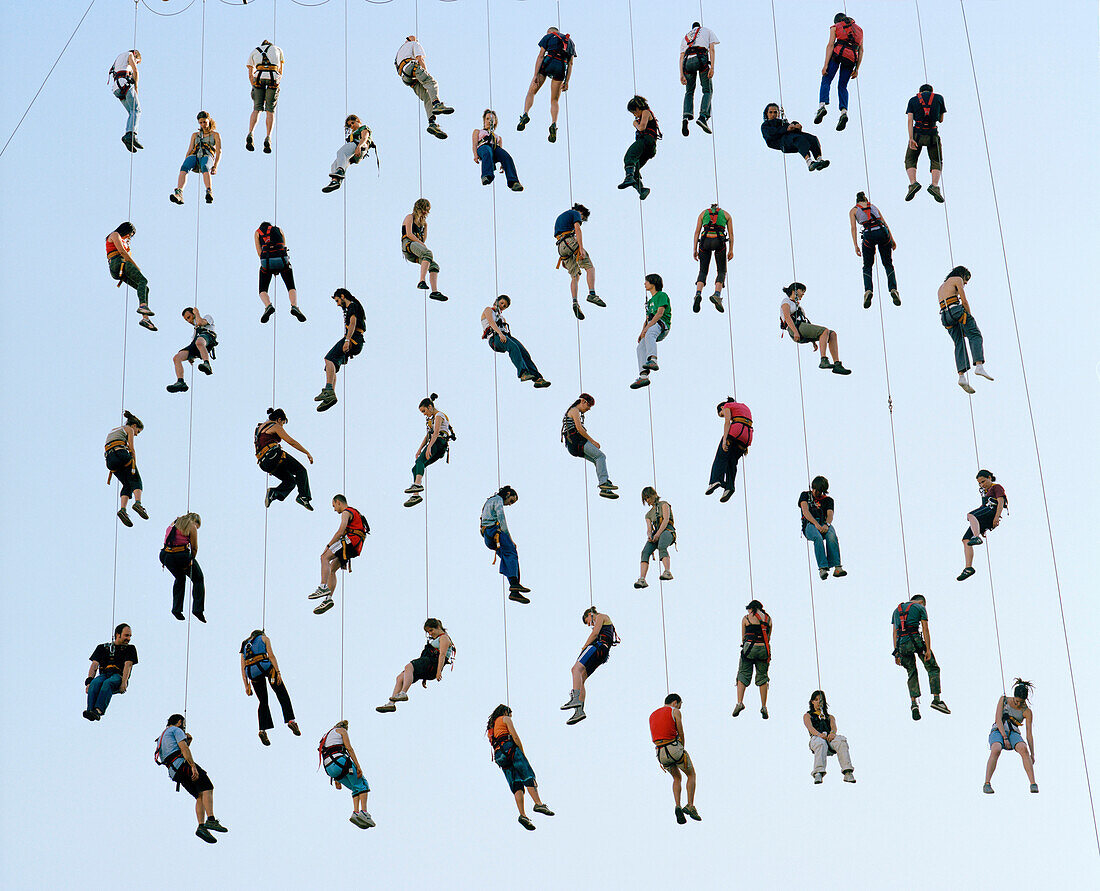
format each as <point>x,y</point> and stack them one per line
<point>980,370</point>
<point>966,386</point>
<point>712,488</point>
<point>321,593</point>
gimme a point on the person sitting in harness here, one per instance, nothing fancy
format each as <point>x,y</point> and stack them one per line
<point>595,652</point>
<point>555,60</point>
<point>658,322</point>
<point>275,261</point>
<point>123,78</point>
<point>414,234</point>
<point>824,740</point>
<point>206,143</point>
<point>109,672</point>
<point>414,74</point>
<point>788,137</point>
<point>341,764</point>
<point>121,458</point>
<point>1012,712</point>
<point>712,236</point>
<point>173,750</point>
<point>290,473</point>
<point>660,535</point>
<point>201,347</point>
<point>736,439</point>
<point>259,667</point>
<point>265,73</point>
<point>697,61</point>
<point>911,637</point>
<point>573,256</point>
<point>815,511</point>
<point>666,729</point>
<point>497,538</point>
<point>956,317</point>
<point>875,233</point>
<point>357,145</point>
<point>125,271</point>
<point>341,549</point>
<point>756,653</point>
<point>580,444</point>
<point>435,445</point>
<point>792,319</point>
<point>924,113</point>
<point>509,756</point>
<point>644,146</point>
<point>438,653</point>
<point>346,348</point>
<point>983,518</point>
<point>843,53</point>
<point>496,331</point>
<point>489,151</point>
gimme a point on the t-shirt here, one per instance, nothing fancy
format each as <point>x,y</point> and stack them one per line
<point>122,63</point>
<point>818,510</point>
<point>113,662</point>
<point>654,303</point>
<point>170,741</point>
<point>925,119</point>
<point>704,39</point>
<point>557,45</point>
<point>207,326</point>
<point>915,615</point>
<point>995,491</point>
<point>410,49</point>
<point>566,221</point>
<point>274,57</point>
<point>797,314</point>
<point>355,308</point>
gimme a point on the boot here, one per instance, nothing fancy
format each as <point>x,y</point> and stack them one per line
<point>249,145</point>
<point>913,189</point>
<point>180,386</point>
<point>716,299</point>
<point>629,181</point>
<point>436,130</point>
<point>524,120</point>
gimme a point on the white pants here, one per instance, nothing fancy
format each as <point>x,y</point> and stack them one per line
<point>647,346</point>
<point>343,159</point>
<point>820,748</point>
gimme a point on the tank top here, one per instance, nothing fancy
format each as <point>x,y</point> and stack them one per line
<point>332,741</point>
<point>757,632</point>
<point>204,144</point>
<point>498,319</point>
<point>272,243</point>
<point>1010,715</point>
<point>121,67</point>
<point>173,538</point>
<point>821,723</point>
<point>420,231</point>
<point>714,224</point>
<point>606,636</point>
<point>264,439</point>
<point>868,216</point>
<point>118,436</point>
<point>651,515</point>
<point>255,645</point>
<point>569,427</point>
<point>499,734</point>
<point>353,134</point>
<point>356,528</point>
<point>112,251</point>
<point>652,128</point>
<point>662,726</point>
<point>487,137</point>
<point>444,427</point>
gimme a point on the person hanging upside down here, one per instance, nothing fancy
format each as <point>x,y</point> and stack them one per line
<point>956,317</point>
<point>344,546</point>
<point>756,652</point>
<point>924,113</point>
<point>201,347</point>
<point>736,439</point>
<point>1011,712</point>
<point>825,741</point>
<point>346,348</point>
<point>843,53</point>
<point>174,752</point>
<point>121,458</point>
<point>697,61</point>
<point>644,146</point>
<point>816,512</point>
<point>125,271</point>
<point>177,555</point>
<point>259,667</point>
<point>495,329</point>
<point>274,461</point>
<point>909,624</point>
<point>414,232</point>
<point>124,80</point>
<point>788,137</point>
<point>113,662</point>
<point>982,519</point>
<point>658,322</point>
<point>660,531</point>
<point>275,261</point>
<point>712,237</point>
<point>509,755</point>
<point>555,60</point>
<point>573,256</point>
<point>206,143</point>
<point>595,652</point>
<point>265,73</point>
<point>792,319</point>
<point>414,74</point>
<point>435,444</point>
<point>666,728</point>
<point>875,234</point>
<point>438,652</point>
<point>580,445</point>
<point>488,152</point>
<point>357,145</point>
<point>338,758</point>
<point>495,534</point>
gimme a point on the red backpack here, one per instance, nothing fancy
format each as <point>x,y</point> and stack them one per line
<point>849,37</point>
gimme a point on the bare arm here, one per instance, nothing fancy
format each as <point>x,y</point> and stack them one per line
<point>792,328</point>
<point>274,661</point>
<point>351,752</point>
<point>1027,730</point>
<point>244,677</point>
<point>927,639</point>
<point>664,520</point>
<point>807,516</point>
<point>962,293</point>
<point>133,63</point>
<point>859,60</point>
<point>512,732</point>
<point>832,729</point>
<point>344,517</point>
<point>678,719</point>
<point>120,246</point>
<point>488,321</point>
<point>695,237</point>
<point>193,538</point>
<point>92,669</point>
<point>829,49</point>
<point>580,239</point>
<point>291,441</point>
<point>538,60</point>
<point>997,513</point>
<point>852,221</point>
<point>683,77</point>
<point>256,241</point>
<point>217,152</point>
<point>642,120</point>
<point>437,425</point>
<point>441,658</point>
<point>997,718</point>
<point>185,750</point>
<point>575,414</point>
<point>712,51</point>
<point>912,141</point>
<point>828,518</point>
<point>473,143</point>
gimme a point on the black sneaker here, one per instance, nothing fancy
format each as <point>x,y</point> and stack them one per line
<point>896,297</point>
<point>134,141</point>
<point>90,715</point>
<point>824,363</point>
<point>698,302</point>
<point>541,383</point>
<point>328,402</point>
<point>684,126</point>
<point>249,145</point>
<point>643,192</point>
<point>423,286</point>
<point>577,310</point>
<point>298,314</point>
<point>525,822</point>
<point>838,368</point>
<point>704,125</point>
<point>267,314</point>
<point>524,120</point>
<point>302,500</point>
<point>437,295</point>
<point>595,298</point>
<point>439,108</point>
<point>209,196</point>
<point>913,189</point>
<point>204,833</point>
<point>629,180</point>
<point>333,184</point>
<point>680,818</point>
<point>820,164</point>
<point>179,386</point>
<point>485,180</point>
<point>267,145</point>
<point>127,140</point>
<point>940,706</point>
<point>821,112</point>
<point>726,496</point>
<point>176,197</point>
<point>206,368</point>
<point>868,296</point>
<point>843,122</point>
<point>935,192</point>
<point>553,135</point>
<point>213,825</point>
<point>517,597</point>
<point>916,712</point>
<point>139,509</point>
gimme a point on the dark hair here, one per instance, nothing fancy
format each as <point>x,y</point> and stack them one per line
<point>654,279</point>
<point>132,420</point>
<point>587,397</point>
<point>505,297</point>
<point>925,88</point>
<point>505,491</point>
<point>256,632</point>
<point>673,697</point>
<point>343,292</point>
<point>590,611</point>
<point>638,103</point>
<point>824,702</point>
<point>1022,689</point>
<point>960,271</point>
<point>919,597</point>
<point>126,229</point>
<point>118,628</point>
<point>500,711</point>
<point>753,605</point>
<point>582,210</point>
<point>276,414</point>
<point>840,17</point>
<point>695,24</point>
<point>174,719</point>
<point>774,105</point>
<point>647,492</point>
<point>984,472</point>
<point>820,484</point>
<point>722,405</point>
<point>343,499</point>
<point>189,309</point>
<point>429,401</point>
<point>264,226</point>
<point>861,196</point>
<point>790,289</point>
<point>434,623</point>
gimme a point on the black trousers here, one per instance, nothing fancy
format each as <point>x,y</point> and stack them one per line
<point>712,245</point>
<point>264,712</point>
<point>724,468</point>
<point>289,472</point>
<point>795,141</point>
<point>182,568</point>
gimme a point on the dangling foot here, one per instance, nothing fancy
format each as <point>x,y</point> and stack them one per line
<point>553,135</point>
<point>422,285</point>
<point>179,615</point>
<point>436,130</point>
<point>666,576</point>
<point>607,490</point>
<point>641,583</point>
<point>821,112</point>
<point>544,810</point>
<point>199,615</point>
<point>134,141</point>
<point>213,825</point>
<point>488,178</point>
<point>574,701</point>
<point>176,197</point>
<point>935,192</point>
<point>439,108</point>
<point>842,122</point>
<point>1034,787</point>
<point>975,540</point>
<point>517,186</point>
<point>298,314</point>
<point>267,145</point>
<point>206,367</point>
<point>268,312</point>
<point>726,496</point>
<point>629,181</point>
<point>642,381</point>
<point>524,120</point>
<point>541,383</point>
<point>147,323</point>
<point>414,500</point>
<point>139,509</point>
<point>825,363</point>
<point>577,716</point>
<point>320,593</point>
<point>388,707</point>
<point>965,574</point>
<point>940,706</point>
<point>204,833</point>
<point>911,191</point>
<point>264,739</point>
<point>868,296</point>
<point>692,812</point>
<point>269,498</point>
<point>838,368</point>
<point>643,192</point>
<point>128,141</point>
<point>651,364</point>
<point>577,310</point>
<point>895,296</point>
<point>819,778</point>
<point>965,384</point>
<point>737,709</point>
<point>400,697</point>
<point>839,572</point>
<point>180,386</point>
<point>824,573</point>
<point>764,712</point>
<point>333,184</point>
<point>329,399</point>
<point>704,125</point>
<point>595,298</point>
<point>716,299</point>
<point>820,164</point>
<point>302,500</point>
<point>523,589</point>
<point>698,302</point>
<point>849,776</point>
<point>525,822</point>
<point>517,597</point>
<point>414,488</point>
<point>249,145</point>
<point>209,196</point>
<point>988,788</point>
<point>712,488</point>
<point>916,712</point>
<point>437,295</point>
<point>684,126</point>
<point>323,607</point>
<point>90,715</point>
<point>680,818</point>
<point>979,370</point>
<point>293,727</point>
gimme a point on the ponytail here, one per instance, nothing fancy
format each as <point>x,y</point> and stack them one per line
<point>276,414</point>
<point>132,420</point>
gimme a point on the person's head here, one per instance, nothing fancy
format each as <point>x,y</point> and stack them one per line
<point>410,39</point>
<point>187,523</point>
<point>421,208</point>
<point>817,701</point>
<point>352,121</point>
<point>125,230</point>
<point>795,290</point>
<point>552,30</point>
<point>508,494</point>
<point>695,24</point>
<point>753,605</point>
<point>649,495</point>
<point>654,283</point>
<point>434,628</point>
<point>583,211</point>
<point>136,54</point>
<point>343,725</point>
<point>589,615</point>
<point>177,721</point>
<point>985,478</point>
<point>918,598</point>
<point>133,422</point>
<point>503,302</point>
<point>427,405</point>
<point>501,711</point>
<point>489,119</point>
<point>266,43</point>
<point>820,485</point>
<point>961,272</point>
<point>771,111</point>
<point>122,633</point>
<point>1021,689</point>
<point>840,17</point>
<point>205,121</point>
<point>277,415</point>
<point>584,402</point>
<point>637,105</point>
<point>264,227</point>
<point>926,88</point>
<point>723,404</point>
<point>189,314</point>
<point>861,198</point>
<point>342,296</point>
<point>674,699</point>
<point>339,503</point>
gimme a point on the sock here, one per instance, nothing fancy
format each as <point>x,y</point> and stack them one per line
<point>590,291</point>
<point>825,105</point>
<point>809,161</point>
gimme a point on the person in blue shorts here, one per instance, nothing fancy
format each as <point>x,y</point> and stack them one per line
<point>555,61</point>
<point>594,653</point>
<point>1012,711</point>
<point>338,758</point>
<point>509,755</point>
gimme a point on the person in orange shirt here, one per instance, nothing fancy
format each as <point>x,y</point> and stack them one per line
<point>666,727</point>
<point>509,755</point>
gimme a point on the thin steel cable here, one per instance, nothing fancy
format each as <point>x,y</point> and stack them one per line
<point>1034,434</point>
<point>344,384</point>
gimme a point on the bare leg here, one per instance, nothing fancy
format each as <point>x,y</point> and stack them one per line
<point>591,275</point>
<point>691,787</point>
<point>252,122</point>
<point>764,695</point>
<point>968,553</point>
<point>911,172</point>
<point>404,681</point>
<point>665,563</point>
<point>991,764</point>
<point>270,124</point>
<point>579,674</point>
<point>424,269</point>
<point>555,94</point>
<point>823,342</point>
<point>675,784</point>
<point>182,179</point>
<point>740,693</point>
<point>1025,756</point>
<point>359,803</point>
<point>936,177</point>
<point>533,791</point>
<point>832,346</point>
<point>519,803</point>
<point>573,285</point>
<point>206,180</point>
<point>177,362</point>
<point>203,352</point>
<point>266,298</point>
<point>975,526</point>
<point>536,83</point>
<point>643,570</point>
<point>293,295</point>
<point>433,280</point>
<point>330,373</point>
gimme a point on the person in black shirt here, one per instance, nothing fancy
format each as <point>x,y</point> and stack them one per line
<point>788,137</point>
<point>113,662</point>
<point>644,146</point>
<point>817,526</point>
<point>351,344</point>
<point>275,260</point>
<point>925,111</point>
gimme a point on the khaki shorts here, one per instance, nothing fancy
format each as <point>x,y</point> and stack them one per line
<point>758,657</point>
<point>567,250</point>
<point>264,98</point>
<point>416,251</point>
<point>673,755</point>
<point>935,155</point>
<point>810,333</point>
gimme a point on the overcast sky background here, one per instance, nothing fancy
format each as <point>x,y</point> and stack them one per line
<point>86,802</point>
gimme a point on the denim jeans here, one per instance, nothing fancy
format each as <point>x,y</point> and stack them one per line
<point>101,689</point>
<point>827,549</point>
<point>697,65</point>
<point>506,550</point>
<point>131,104</point>
<point>517,352</point>
<point>491,156</point>
<point>842,85</point>
<point>593,454</point>
<point>961,332</point>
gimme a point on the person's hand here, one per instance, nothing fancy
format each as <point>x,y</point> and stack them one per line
<point>795,337</point>
<point>926,655</point>
<point>794,126</point>
<point>584,254</point>
<point>725,444</point>
<point>346,347</point>
<point>439,676</point>
<point>893,245</point>
<point>913,144</point>
<point>729,253</point>
<point>858,254</point>
<point>996,522</point>
<point>247,689</point>
<point>824,70</point>
<point>830,736</point>
<point>503,338</point>
<point>338,785</point>
<point>122,687</point>
<point>897,660</point>
<point>358,153</point>
<point>310,457</point>
<point>276,678</point>
<point>695,254</point>
<point>214,170</point>
<point>596,444</point>
<point>855,73</point>
<point>683,79</point>
<point>477,160</point>
<point>640,336</point>
<point>1004,736</point>
<point>424,684</point>
<point>194,771</point>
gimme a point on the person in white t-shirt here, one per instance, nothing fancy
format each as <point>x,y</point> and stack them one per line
<point>697,60</point>
<point>201,347</point>
<point>414,74</point>
<point>124,77</point>
<point>265,73</point>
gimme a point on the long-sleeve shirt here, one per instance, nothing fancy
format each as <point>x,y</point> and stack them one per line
<point>774,131</point>
<point>492,514</point>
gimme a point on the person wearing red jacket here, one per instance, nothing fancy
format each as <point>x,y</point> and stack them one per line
<point>843,53</point>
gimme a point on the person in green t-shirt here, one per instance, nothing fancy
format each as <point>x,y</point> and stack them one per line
<point>712,236</point>
<point>658,320</point>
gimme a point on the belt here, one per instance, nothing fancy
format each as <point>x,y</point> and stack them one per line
<point>265,451</point>
<point>951,301</point>
<point>175,550</point>
<point>254,659</point>
<point>560,236</point>
<point>746,421</point>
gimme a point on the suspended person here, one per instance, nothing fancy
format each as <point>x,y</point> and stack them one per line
<point>121,458</point>
<point>495,329</point>
<point>178,555</point>
<point>174,752</point>
<point>666,728</point>
<point>202,346</point>
<point>1011,712</point>
<point>580,444</point>
<point>876,234</point>
<point>124,78</point>
<point>357,145</point>
<point>275,260</point>
<point>259,667</point>
<point>573,256</point>
<point>346,348</point>
<point>956,317</point>
<point>489,151</point>
<point>660,534</point>
<point>697,61</point>
<point>825,741</point>
<point>341,764</point>
<point>341,549</point>
<point>644,146</point>
<point>983,518</point>
<point>265,73</point>
<point>109,672</point>
<point>911,639</point>
<point>435,445</point>
<point>509,756</point>
<point>658,322</point>
<point>414,234</point>
<point>924,112</point>
<point>594,653</point>
<point>843,53</point>
<point>557,53</point>
<point>756,653</point>
<point>788,137</point>
<point>414,74</point>
<point>816,507</point>
<point>792,319</point>
<point>268,439</point>
<point>125,270</point>
<point>712,236</point>
<point>205,144</point>
<point>438,653</point>
<point>736,439</point>
<point>497,538</point>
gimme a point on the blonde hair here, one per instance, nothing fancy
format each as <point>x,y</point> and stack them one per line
<point>421,207</point>
<point>187,523</point>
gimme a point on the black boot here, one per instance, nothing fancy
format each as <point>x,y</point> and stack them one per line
<point>630,181</point>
